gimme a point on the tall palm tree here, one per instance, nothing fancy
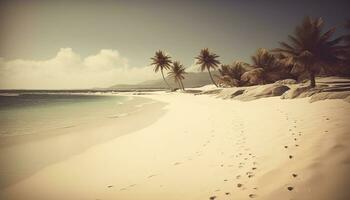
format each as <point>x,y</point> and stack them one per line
<point>208,60</point>
<point>161,62</point>
<point>311,49</point>
<point>177,72</point>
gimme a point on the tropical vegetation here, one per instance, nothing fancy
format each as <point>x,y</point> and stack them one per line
<point>177,73</point>
<point>208,60</point>
<point>161,62</point>
<point>310,51</point>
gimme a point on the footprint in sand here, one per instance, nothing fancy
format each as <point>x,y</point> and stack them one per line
<point>153,175</point>
<point>250,174</point>
<point>252,195</point>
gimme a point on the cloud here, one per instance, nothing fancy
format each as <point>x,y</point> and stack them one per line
<point>193,67</point>
<point>67,70</point>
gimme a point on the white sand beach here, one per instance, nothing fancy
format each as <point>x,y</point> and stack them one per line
<point>209,148</point>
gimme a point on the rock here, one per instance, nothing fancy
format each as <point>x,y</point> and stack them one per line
<point>295,92</point>
<point>286,82</point>
<point>253,77</point>
<point>227,81</point>
<point>279,90</point>
<point>330,95</point>
<point>238,92</point>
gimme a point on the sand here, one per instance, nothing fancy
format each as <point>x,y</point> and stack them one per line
<point>209,148</point>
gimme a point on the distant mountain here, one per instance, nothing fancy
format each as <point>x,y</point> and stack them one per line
<point>191,80</point>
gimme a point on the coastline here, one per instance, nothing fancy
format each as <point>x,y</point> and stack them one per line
<point>23,155</point>
<point>208,148</point>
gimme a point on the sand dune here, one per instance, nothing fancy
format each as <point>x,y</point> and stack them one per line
<point>208,148</point>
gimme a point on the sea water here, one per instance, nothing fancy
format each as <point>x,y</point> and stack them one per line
<point>23,114</point>
<point>40,129</point>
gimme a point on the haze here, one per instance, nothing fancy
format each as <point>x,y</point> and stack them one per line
<point>87,44</point>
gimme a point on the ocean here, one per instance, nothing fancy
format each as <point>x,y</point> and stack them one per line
<point>38,113</point>
<point>38,129</point>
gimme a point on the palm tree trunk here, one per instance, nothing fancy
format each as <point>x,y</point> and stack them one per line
<point>312,79</point>
<point>211,77</point>
<point>178,82</point>
<point>182,84</point>
<point>165,80</point>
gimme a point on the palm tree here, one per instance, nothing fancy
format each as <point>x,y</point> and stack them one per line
<point>269,63</point>
<point>161,61</point>
<point>230,75</point>
<point>177,72</point>
<point>208,60</point>
<point>264,59</point>
<point>310,49</point>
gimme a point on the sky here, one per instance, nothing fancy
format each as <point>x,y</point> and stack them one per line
<point>85,44</point>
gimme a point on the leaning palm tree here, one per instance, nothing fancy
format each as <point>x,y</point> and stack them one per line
<point>177,72</point>
<point>161,62</point>
<point>311,49</point>
<point>208,60</point>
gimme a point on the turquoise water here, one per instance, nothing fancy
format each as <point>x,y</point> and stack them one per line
<point>25,114</point>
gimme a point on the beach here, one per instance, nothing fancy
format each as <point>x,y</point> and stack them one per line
<point>59,126</point>
<point>194,147</point>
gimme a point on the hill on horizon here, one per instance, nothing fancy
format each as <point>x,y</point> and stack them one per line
<point>192,79</point>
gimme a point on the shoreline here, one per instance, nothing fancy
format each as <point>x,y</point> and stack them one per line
<point>23,155</point>
<point>209,148</point>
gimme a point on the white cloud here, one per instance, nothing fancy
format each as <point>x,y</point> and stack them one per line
<point>68,70</point>
<point>193,68</point>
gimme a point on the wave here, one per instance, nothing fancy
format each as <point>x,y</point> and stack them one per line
<point>10,94</point>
